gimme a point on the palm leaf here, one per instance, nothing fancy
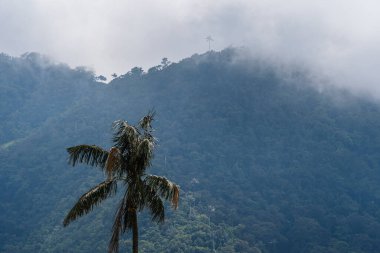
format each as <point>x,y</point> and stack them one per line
<point>117,228</point>
<point>164,188</point>
<point>89,154</point>
<point>113,162</point>
<point>125,135</point>
<point>91,199</point>
<point>144,153</point>
<point>154,203</point>
<point>146,122</point>
<point>121,223</point>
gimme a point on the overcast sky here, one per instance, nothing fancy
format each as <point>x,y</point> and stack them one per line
<point>339,38</point>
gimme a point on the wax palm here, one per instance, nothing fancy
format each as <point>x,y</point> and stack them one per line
<point>125,164</point>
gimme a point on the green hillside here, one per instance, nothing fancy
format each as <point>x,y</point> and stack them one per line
<point>266,162</point>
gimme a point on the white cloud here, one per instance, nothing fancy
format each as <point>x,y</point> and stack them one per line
<point>339,38</point>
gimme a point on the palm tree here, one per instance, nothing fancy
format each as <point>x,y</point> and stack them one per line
<point>125,164</point>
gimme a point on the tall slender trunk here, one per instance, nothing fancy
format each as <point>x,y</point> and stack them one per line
<point>135,233</point>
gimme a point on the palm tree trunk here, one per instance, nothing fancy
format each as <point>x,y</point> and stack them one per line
<point>135,233</point>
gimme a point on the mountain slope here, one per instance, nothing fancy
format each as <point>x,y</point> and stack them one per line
<point>273,164</point>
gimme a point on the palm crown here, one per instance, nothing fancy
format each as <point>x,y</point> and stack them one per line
<point>125,164</point>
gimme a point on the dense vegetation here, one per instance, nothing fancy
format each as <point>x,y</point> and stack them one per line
<point>266,162</point>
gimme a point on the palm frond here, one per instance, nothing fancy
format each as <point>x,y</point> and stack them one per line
<point>144,153</point>
<point>164,188</point>
<point>125,136</point>
<point>91,199</point>
<point>117,228</point>
<point>154,203</point>
<point>113,162</point>
<point>122,222</point>
<point>89,154</point>
<point>146,122</point>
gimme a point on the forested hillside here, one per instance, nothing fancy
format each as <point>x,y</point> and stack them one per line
<point>265,161</point>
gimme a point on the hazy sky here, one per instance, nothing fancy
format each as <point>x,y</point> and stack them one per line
<point>339,38</point>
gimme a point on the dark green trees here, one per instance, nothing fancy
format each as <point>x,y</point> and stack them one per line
<point>125,165</point>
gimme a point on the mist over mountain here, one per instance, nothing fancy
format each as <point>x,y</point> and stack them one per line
<point>266,161</point>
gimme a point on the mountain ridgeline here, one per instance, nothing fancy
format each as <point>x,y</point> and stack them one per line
<point>265,161</point>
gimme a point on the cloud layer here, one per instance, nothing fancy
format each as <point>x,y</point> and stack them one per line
<point>339,39</point>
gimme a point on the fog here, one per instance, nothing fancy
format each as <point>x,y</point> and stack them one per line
<point>336,39</point>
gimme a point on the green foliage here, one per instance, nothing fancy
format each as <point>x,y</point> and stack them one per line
<point>285,167</point>
<point>90,199</point>
<point>91,155</point>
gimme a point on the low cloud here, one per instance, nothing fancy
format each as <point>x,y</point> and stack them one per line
<point>337,39</point>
